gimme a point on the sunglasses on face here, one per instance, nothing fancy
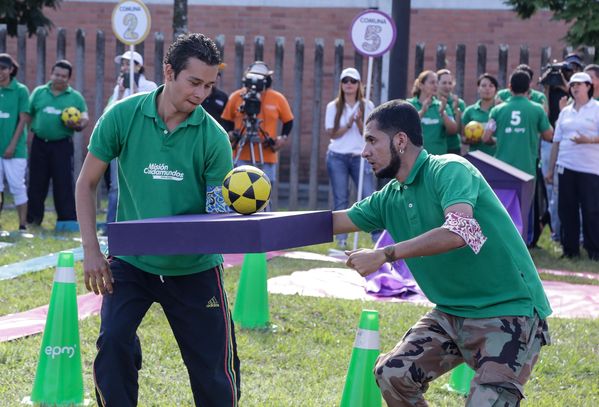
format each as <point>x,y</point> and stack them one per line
<point>349,80</point>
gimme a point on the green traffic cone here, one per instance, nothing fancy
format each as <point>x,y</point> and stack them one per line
<point>59,378</point>
<point>360,388</point>
<point>251,303</point>
<point>460,379</point>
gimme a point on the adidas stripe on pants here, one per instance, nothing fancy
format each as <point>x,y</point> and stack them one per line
<point>197,310</point>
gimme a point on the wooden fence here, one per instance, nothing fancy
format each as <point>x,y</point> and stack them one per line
<point>303,180</point>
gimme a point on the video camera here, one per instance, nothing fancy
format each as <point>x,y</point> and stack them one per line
<point>254,83</point>
<point>555,73</point>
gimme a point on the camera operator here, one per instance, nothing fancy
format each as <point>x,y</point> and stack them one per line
<point>260,105</point>
<point>555,79</point>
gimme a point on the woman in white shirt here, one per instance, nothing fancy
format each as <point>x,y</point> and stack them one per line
<point>575,156</point>
<point>121,91</point>
<point>344,124</point>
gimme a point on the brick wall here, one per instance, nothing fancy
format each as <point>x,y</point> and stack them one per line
<point>450,27</point>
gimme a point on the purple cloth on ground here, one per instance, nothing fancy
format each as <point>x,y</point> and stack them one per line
<point>396,280</point>
<point>391,280</point>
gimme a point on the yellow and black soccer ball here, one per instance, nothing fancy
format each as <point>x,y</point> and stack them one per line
<point>474,131</point>
<point>246,189</point>
<point>70,114</point>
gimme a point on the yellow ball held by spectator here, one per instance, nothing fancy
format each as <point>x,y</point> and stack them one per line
<point>70,114</point>
<point>246,189</point>
<point>474,131</point>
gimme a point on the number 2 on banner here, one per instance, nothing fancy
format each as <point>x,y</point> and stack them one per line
<point>130,21</point>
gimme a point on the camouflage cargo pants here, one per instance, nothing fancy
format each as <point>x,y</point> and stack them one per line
<point>502,351</point>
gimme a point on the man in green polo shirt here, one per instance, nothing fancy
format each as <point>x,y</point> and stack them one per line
<point>14,116</point>
<point>534,95</point>
<point>172,158</point>
<point>467,257</point>
<point>52,145</point>
<point>515,127</point>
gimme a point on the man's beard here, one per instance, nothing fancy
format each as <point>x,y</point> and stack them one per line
<point>392,169</point>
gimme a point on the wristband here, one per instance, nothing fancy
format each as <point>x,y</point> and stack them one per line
<point>389,253</point>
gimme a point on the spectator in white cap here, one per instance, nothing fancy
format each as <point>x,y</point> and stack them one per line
<point>141,83</point>
<point>575,157</point>
<point>121,90</point>
<point>344,124</point>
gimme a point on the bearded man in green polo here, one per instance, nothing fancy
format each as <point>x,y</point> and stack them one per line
<point>467,257</point>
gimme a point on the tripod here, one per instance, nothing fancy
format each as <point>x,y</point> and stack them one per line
<point>252,132</point>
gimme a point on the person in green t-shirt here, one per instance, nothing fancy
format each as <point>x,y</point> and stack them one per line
<point>455,108</point>
<point>515,127</point>
<point>465,254</point>
<point>433,113</point>
<point>479,112</point>
<point>52,147</point>
<point>534,95</point>
<point>14,116</point>
<point>172,160</point>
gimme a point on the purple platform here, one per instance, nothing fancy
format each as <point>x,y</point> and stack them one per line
<point>502,176</point>
<point>222,233</point>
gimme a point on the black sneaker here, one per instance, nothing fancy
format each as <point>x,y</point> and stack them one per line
<point>22,227</point>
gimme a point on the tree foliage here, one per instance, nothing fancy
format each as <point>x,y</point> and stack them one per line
<point>26,12</point>
<point>582,15</point>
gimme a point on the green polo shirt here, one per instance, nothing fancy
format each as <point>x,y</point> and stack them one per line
<point>14,99</point>
<point>476,113</point>
<point>534,95</point>
<point>454,141</point>
<point>162,172</point>
<point>46,109</point>
<point>500,280</point>
<point>519,123</point>
<point>433,129</point>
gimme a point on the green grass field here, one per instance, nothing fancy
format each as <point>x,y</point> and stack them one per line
<point>302,360</point>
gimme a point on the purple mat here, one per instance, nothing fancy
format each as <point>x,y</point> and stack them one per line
<point>220,233</point>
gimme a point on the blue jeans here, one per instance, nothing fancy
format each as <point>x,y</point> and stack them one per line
<point>341,167</point>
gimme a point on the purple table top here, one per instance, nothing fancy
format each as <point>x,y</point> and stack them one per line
<point>220,233</point>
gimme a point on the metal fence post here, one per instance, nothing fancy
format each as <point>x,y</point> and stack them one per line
<point>61,44</point>
<point>239,68</point>
<point>460,69</point>
<point>22,53</point>
<point>481,60</point>
<point>316,124</point>
<point>296,132</point>
<point>502,71</point>
<point>40,68</point>
<point>441,56</point>
<point>418,61</point>
<point>158,57</point>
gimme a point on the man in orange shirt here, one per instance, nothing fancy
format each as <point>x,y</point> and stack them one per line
<point>273,106</point>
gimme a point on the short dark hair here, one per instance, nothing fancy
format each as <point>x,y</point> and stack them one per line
<point>527,69</point>
<point>395,116</point>
<point>64,64</point>
<point>491,79</point>
<point>519,82</point>
<point>194,45</point>
<point>7,59</point>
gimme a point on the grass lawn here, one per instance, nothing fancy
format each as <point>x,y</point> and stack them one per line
<point>302,360</point>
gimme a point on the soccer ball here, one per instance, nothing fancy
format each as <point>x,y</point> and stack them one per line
<point>246,189</point>
<point>70,114</point>
<point>474,131</point>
